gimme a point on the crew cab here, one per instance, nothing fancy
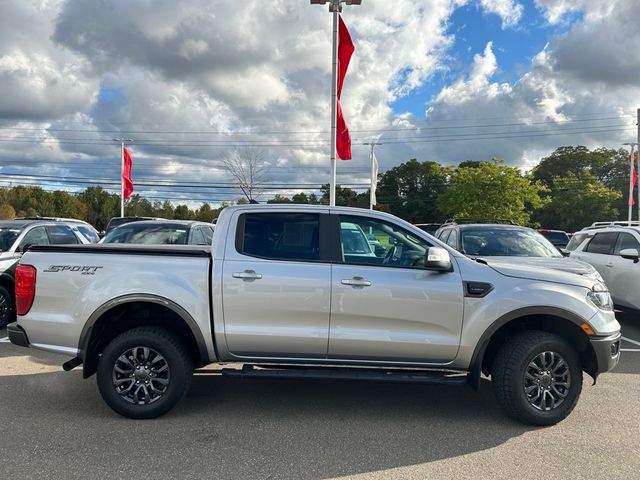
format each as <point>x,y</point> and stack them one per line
<point>279,293</point>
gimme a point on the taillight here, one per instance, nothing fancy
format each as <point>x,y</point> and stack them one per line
<point>25,288</point>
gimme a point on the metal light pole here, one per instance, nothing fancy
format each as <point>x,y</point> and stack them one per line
<point>122,141</point>
<point>335,8</point>
<point>374,171</point>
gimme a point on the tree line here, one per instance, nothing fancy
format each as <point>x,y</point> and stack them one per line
<point>567,190</point>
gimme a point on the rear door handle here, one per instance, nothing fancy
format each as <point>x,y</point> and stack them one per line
<point>247,275</point>
<point>356,282</point>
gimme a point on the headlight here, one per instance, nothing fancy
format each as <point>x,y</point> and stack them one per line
<point>600,297</point>
<point>595,275</point>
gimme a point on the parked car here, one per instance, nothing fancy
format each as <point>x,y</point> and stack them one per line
<point>162,232</point>
<point>81,227</point>
<point>558,238</point>
<point>117,221</point>
<point>512,243</point>
<point>430,228</point>
<point>277,293</point>
<point>15,237</point>
<point>613,251</point>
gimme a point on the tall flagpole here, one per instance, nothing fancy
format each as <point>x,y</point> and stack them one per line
<point>630,197</point>
<point>122,142</point>
<point>122,179</point>
<point>638,160</point>
<point>335,8</point>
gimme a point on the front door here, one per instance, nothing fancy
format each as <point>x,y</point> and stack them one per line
<point>276,286</point>
<point>386,306</point>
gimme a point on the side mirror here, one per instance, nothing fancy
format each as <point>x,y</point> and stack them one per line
<point>437,259</point>
<point>630,254</point>
<point>564,252</point>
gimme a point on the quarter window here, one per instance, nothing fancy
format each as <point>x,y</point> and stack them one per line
<point>452,241</point>
<point>281,236</point>
<point>625,241</point>
<point>602,243</point>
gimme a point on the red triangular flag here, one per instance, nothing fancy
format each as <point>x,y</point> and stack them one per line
<point>343,138</point>
<point>345,51</point>
<point>126,174</point>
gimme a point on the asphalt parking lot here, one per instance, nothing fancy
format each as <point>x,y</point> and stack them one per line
<point>55,425</point>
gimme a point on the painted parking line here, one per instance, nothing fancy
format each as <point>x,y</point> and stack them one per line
<point>630,349</point>
<point>635,342</point>
<point>5,340</point>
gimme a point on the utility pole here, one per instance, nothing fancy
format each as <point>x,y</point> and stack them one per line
<point>122,141</point>
<point>374,173</point>
<point>335,8</point>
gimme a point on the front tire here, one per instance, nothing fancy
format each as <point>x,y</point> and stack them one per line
<point>144,372</point>
<point>7,310</point>
<point>537,378</point>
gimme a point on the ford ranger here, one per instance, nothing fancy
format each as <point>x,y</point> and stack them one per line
<point>301,292</point>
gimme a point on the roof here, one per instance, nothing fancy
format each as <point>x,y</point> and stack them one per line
<point>22,223</point>
<point>178,223</point>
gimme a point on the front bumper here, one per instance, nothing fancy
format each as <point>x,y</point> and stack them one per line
<point>17,335</point>
<point>607,351</point>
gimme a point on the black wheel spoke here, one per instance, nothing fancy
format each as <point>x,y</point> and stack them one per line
<point>547,381</point>
<point>141,375</point>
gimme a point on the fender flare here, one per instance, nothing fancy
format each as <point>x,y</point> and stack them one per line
<point>475,369</point>
<point>85,335</point>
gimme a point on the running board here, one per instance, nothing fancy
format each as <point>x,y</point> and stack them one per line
<point>349,374</point>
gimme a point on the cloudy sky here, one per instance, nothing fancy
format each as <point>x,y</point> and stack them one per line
<point>196,80</point>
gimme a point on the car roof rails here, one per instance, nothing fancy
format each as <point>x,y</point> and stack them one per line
<point>615,223</point>
<point>468,220</point>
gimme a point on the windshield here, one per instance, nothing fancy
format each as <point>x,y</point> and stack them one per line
<point>501,242</point>
<point>7,238</point>
<point>148,234</point>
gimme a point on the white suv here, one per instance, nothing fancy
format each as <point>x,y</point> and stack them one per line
<point>613,250</point>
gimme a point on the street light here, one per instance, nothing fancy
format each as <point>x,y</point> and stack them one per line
<point>335,8</point>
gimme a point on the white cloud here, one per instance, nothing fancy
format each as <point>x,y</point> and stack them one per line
<point>509,11</point>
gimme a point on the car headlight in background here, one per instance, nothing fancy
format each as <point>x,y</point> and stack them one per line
<point>600,297</point>
<point>595,275</point>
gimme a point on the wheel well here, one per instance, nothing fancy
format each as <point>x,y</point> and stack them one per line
<point>564,328</point>
<point>132,315</point>
<point>7,284</point>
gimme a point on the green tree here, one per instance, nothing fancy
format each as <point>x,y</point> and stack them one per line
<point>101,206</point>
<point>345,197</point>
<point>7,212</point>
<point>577,202</point>
<point>182,212</point>
<point>300,198</point>
<point>279,199</point>
<point>491,190</point>
<point>411,190</point>
<point>205,213</point>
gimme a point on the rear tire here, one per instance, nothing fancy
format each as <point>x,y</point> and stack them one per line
<point>144,372</point>
<point>7,308</point>
<point>537,378</point>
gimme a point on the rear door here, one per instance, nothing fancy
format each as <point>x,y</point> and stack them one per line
<point>624,274</point>
<point>276,286</point>
<point>390,308</point>
<point>599,253</point>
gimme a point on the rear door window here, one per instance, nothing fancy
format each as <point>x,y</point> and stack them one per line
<point>602,243</point>
<point>280,236</point>
<point>576,241</point>
<point>452,241</point>
<point>61,235</point>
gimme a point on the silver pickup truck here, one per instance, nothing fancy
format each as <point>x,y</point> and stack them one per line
<point>314,292</point>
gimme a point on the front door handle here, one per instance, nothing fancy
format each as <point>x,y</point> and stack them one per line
<point>247,275</point>
<point>356,282</point>
<point>609,265</point>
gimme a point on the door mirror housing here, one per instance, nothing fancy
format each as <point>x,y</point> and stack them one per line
<point>630,254</point>
<point>437,259</point>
